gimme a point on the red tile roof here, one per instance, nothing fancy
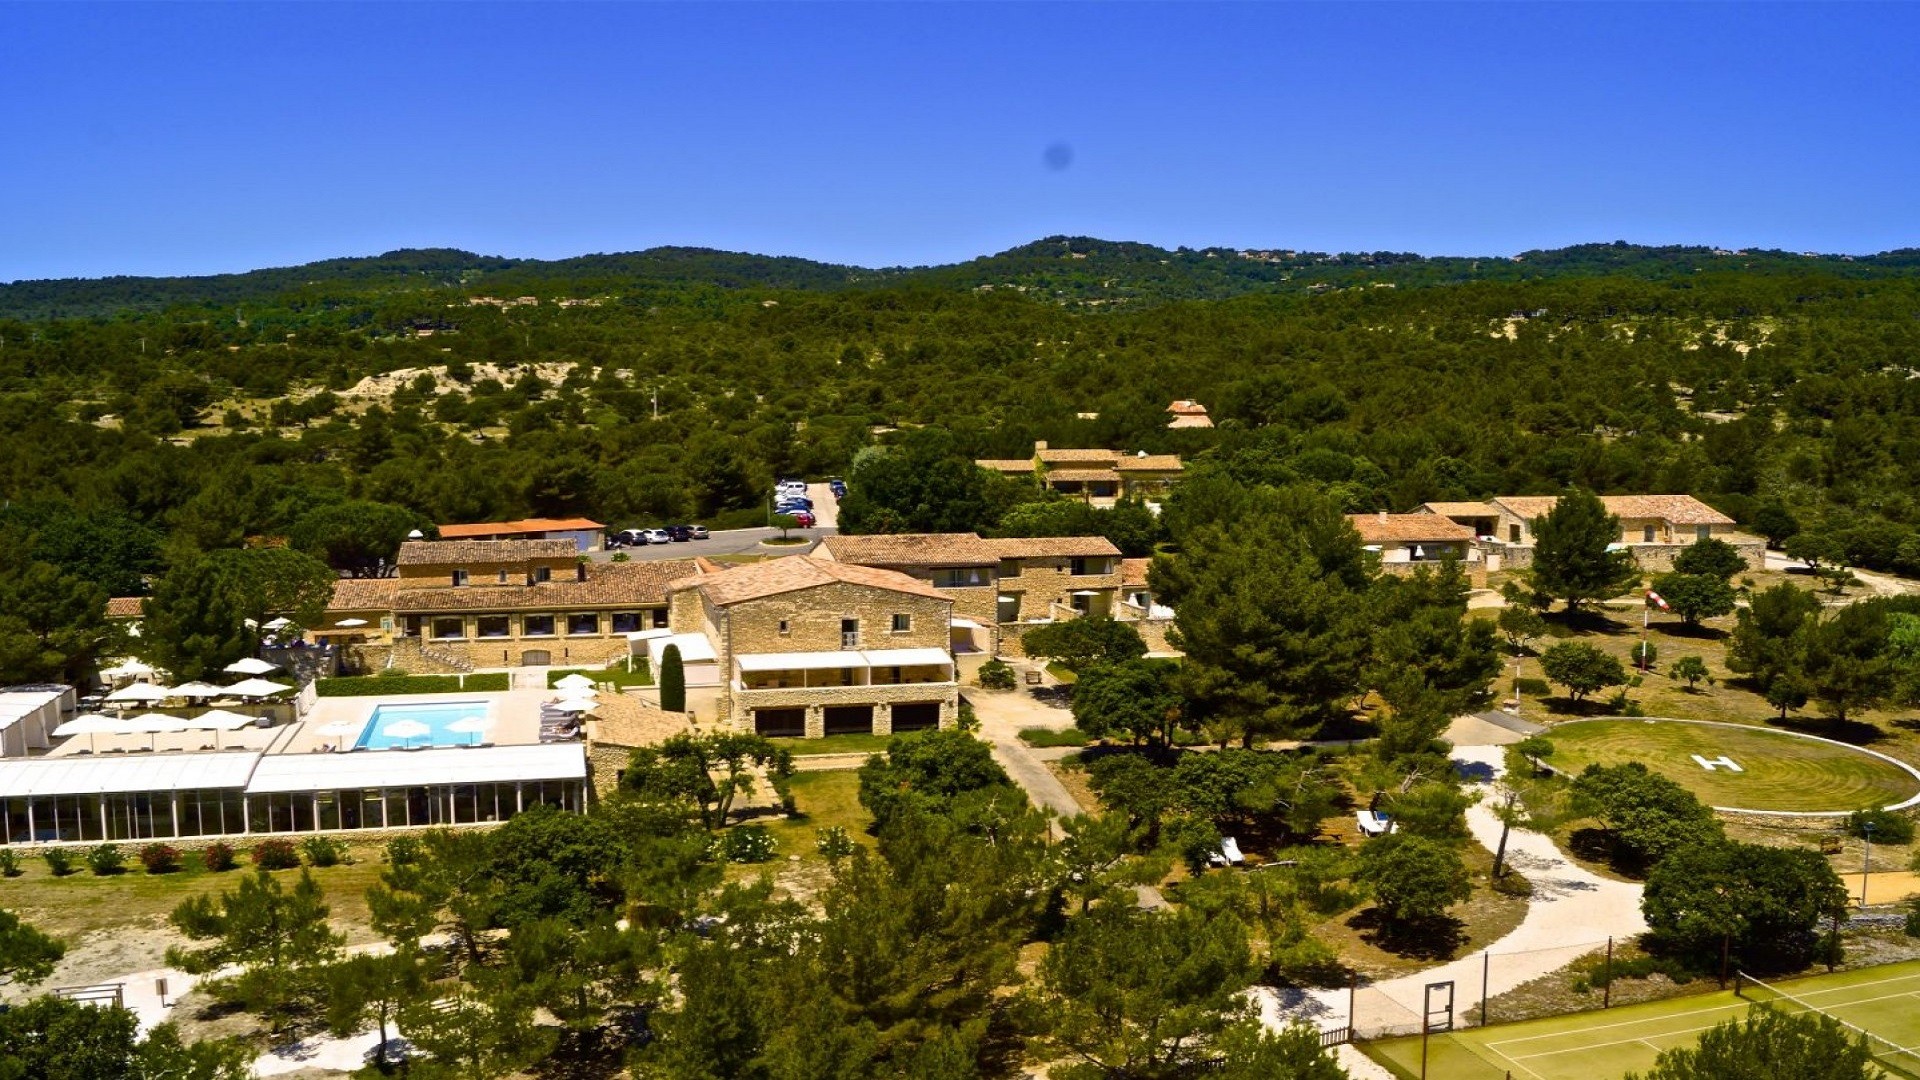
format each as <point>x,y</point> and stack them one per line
<point>511,528</point>
<point>911,549</point>
<point>792,573</point>
<point>1408,528</point>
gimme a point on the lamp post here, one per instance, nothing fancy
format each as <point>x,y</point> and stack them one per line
<point>1866,859</point>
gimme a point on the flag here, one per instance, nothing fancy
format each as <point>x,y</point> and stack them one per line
<point>1654,599</point>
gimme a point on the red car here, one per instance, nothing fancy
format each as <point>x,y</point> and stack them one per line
<point>802,518</point>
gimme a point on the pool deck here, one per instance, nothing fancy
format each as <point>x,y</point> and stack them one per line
<point>516,716</point>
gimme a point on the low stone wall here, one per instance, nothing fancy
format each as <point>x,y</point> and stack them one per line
<point>1154,633</point>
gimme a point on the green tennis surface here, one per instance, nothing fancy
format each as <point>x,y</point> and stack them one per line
<point>1771,770</point>
<point>1607,1044</point>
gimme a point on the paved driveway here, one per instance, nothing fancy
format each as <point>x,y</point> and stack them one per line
<point>723,542</point>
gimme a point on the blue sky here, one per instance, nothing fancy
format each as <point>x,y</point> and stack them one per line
<point>196,139</point>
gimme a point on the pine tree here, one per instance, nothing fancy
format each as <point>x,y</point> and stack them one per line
<point>1571,560</point>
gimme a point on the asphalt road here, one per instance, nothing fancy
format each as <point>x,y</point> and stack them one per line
<point>744,541</point>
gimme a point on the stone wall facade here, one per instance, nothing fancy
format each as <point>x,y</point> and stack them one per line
<point>1043,582</point>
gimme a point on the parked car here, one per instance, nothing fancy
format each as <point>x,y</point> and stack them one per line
<point>803,518</point>
<point>838,487</point>
<point>789,505</point>
<point>658,536</point>
<point>680,534</point>
<point>699,531</point>
<point>790,487</point>
<point>627,538</point>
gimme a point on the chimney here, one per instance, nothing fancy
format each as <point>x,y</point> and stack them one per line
<point>1039,445</point>
<point>1383,517</point>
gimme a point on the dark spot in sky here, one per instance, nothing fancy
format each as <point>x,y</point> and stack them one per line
<point>1058,156</point>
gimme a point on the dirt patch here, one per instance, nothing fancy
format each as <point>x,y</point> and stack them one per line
<point>1074,777</point>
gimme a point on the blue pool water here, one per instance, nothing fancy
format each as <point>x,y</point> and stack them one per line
<point>436,717</point>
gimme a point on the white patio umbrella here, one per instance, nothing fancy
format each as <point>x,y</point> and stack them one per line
<point>350,623</point>
<point>88,724</point>
<point>576,705</point>
<point>197,690</point>
<point>153,724</point>
<point>278,624</point>
<point>127,669</point>
<point>472,725</point>
<point>219,720</point>
<point>140,691</point>
<point>575,681</point>
<point>406,730</point>
<point>341,729</point>
<point>250,665</point>
<point>256,688</point>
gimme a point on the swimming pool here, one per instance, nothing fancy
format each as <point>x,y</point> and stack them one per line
<point>436,718</point>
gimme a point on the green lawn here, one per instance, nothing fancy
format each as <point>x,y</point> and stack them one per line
<point>1605,1045</point>
<point>825,799</point>
<point>836,744</point>
<point>1780,770</point>
<point>1039,736</point>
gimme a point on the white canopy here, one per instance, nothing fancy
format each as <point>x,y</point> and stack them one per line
<point>965,624</point>
<point>279,624</point>
<point>351,622</point>
<point>406,729</point>
<point>573,681</point>
<point>197,690</point>
<point>444,765</point>
<point>140,692</point>
<point>142,772</point>
<point>800,661</point>
<point>906,657</point>
<point>127,669</point>
<point>220,720</point>
<point>256,688</point>
<point>576,705</point>
<point>250,665</point>
<point>154,723</point>
<point>88,724</point>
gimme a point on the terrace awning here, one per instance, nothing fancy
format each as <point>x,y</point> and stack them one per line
<point>799,661</point>
<point>415,768</point>
<point>93,775</point>
<point>906,657</point>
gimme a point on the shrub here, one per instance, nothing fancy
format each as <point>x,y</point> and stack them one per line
<point>323,851</point>
<point>106,859</point>
<point>403,851</point>
<point>392,682</point>
<point>747,844</point>
<point>59,860</point>
<point>1036,736</point>
<point>833,843</point>
<point>160,858</point>
<point>1644,654</point>
<point>9,863</point>
<point>1888,827</point>
<point>217,857</point>
<point>996,675</point>
<point>275,855</point>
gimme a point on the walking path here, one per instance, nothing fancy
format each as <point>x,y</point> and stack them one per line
<point>1573,912</point>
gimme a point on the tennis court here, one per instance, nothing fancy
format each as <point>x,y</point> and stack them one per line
<point>1883,1002</point>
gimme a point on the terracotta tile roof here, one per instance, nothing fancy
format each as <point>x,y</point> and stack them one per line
<point>1081,457</point>
<point>1052,547</point>
<point>363,594</point>
<point>1134,571</point>
<point>1677,509</point>
<point>1006,465</point>
<point>1187,408</point>
<point>1460,509</point>
<point>752,581</point>
<point>456,552</point>
<point>525,525</point>
<point>911,549</point>
<point>1150,463</point>
<point>1082,475</point>
<point>1407,528</point>
<point>126,607</point>
<point>608,585</point>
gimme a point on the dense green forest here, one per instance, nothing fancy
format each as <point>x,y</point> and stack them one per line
<point>333,401</point>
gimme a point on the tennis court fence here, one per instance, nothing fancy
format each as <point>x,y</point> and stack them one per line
<point>1901,1060</point>
<point>1479,989</point>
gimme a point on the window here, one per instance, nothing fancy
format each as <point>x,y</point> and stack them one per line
<point>542,574</point>
<point>459,577</point>
<point>1703,532</point>
<point>1513,534</point>
<point>849,633</point>
<point>902,623</point>
<point>1009,608</point>
<point>1010,568</point>
<point>490,626</point>
<point>583,625</point>
<point>536,625</point>
<point>1082,567</point>
<point>626,622</point>
<point>449,628</point>
<point>963,577</point>
<point>1646,535</point>
<point>502,578</point>
<point>785,627</point>
<point>659,618</point>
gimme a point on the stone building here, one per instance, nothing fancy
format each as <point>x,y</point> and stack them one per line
<point>502,603</point>
<point>1654,527</point>
<point>808,646</point>
<point>1099,477</point>
<point>1404,541</point>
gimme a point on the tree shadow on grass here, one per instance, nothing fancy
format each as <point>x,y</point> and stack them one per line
<point>1415,939</point>
<point>1588,621</point>
<point>1595,845</point>
<point>1696,632</point>
<point>1852,732</point>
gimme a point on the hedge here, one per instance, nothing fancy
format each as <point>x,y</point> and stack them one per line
<point>362,685</point>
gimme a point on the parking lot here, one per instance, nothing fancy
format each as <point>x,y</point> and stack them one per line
<point>742,541</point>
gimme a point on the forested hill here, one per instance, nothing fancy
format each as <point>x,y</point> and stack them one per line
<point>1075,270</point>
